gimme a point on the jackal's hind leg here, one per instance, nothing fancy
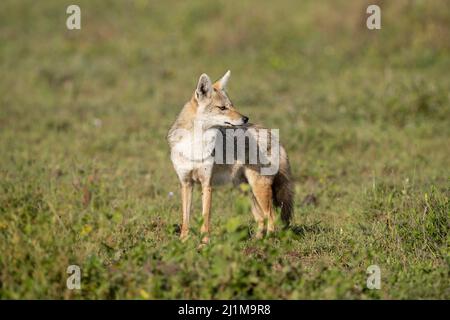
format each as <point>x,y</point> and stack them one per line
<point>259,218</point>
<point>263,194</point>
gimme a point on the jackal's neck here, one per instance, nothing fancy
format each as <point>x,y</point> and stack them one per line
<point>187,115</point>
<point>184,121</point>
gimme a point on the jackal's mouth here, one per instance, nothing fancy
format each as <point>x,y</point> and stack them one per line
<point>229,123</point>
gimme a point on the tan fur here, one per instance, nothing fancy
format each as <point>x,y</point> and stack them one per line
<point>267,190</point>
<point>186,196</point>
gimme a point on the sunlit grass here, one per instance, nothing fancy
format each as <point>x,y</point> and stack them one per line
<point>85,175</point>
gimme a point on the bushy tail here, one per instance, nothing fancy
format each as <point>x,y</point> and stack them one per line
<point>283,191</point>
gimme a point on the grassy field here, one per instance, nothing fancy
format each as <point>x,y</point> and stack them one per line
<point>85,175</point>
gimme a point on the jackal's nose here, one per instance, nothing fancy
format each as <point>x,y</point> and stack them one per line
<point>245,119</point>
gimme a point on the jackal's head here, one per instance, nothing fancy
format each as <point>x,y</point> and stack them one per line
<point>215,109</point>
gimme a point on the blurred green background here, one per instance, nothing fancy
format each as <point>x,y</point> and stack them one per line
<point>85,176</point>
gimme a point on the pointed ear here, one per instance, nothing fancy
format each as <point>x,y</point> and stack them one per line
<point>222,82</point>
<point>204,87</point>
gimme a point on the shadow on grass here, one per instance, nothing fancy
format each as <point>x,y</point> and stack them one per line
<point>247,232</point>
<point>303,229</point>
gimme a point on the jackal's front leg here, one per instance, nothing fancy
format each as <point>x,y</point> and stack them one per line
<point>186,197</point>
<point>206,210</point>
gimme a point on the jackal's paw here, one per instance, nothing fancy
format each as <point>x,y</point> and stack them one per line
<point>259,235</point>
<point>204,243</point>
<point>205,240</point>
<point>184,236</point>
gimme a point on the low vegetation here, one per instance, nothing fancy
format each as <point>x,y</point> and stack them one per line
<point>85,176</point>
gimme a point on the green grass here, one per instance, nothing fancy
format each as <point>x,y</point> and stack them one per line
<point>85,174</point>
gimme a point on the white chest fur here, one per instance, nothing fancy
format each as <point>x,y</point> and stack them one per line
<point>192,155</point>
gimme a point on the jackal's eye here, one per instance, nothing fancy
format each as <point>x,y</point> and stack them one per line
<point>222,107</point>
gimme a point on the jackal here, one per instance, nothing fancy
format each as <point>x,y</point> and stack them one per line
<point>200,139</point>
